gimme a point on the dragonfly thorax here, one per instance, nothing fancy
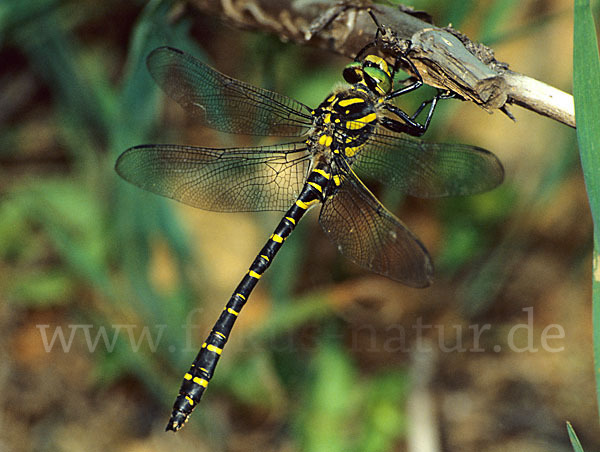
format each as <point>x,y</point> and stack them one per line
<point>345,120</point>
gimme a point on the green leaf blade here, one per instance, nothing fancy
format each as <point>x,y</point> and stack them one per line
<point>586,90</point>
<point>573,437</point>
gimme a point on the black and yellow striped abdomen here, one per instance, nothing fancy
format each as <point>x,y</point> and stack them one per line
<point>197,378</point>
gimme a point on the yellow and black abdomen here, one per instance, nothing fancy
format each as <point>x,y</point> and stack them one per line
<point>197,378</point>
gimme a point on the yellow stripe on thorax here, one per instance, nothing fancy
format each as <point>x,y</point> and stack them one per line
<point>354,125</point>
<point>369,118</point>
<point>352,100</point>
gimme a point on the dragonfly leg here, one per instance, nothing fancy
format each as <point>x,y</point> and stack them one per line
<point>416,74</point>
<point>409,123</point>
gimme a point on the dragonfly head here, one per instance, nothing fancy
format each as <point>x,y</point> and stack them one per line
<point>372,72</point>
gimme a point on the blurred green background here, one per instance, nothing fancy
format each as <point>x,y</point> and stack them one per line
<point>326,357</point>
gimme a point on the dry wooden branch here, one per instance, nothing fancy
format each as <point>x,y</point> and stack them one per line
<point>445,58</point>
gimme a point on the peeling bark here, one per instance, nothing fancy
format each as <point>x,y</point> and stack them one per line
<point>444,57</point>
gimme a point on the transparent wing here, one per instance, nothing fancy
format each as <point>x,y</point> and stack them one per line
<point>427,170</point>
<point>368,234</point>
<point>222,102</point>
<point>223,180</point>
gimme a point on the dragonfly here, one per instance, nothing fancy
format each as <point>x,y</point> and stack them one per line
<point>356,132</point>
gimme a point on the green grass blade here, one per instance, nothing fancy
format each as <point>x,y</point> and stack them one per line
<point>586,89</point>
<point>573,437</point>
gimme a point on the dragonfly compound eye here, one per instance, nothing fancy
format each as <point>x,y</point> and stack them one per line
<point>353,73</point>
<point>378,80</point>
